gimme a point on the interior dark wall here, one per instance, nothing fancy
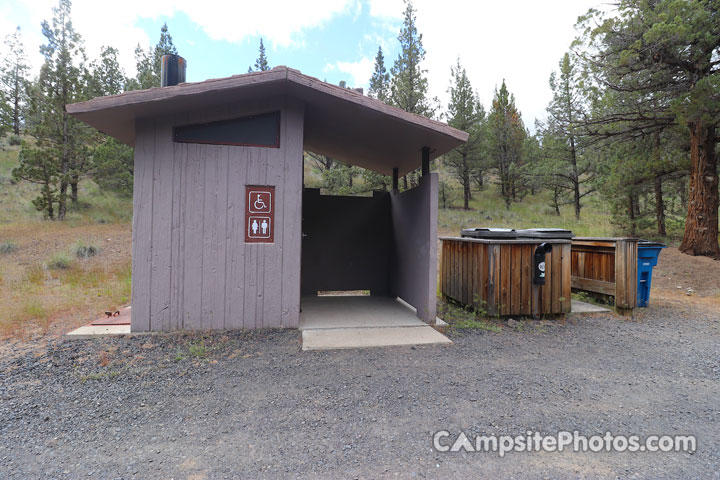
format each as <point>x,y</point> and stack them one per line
<point>347,243</point>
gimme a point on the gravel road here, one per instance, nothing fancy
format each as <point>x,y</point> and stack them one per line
<point>252,405</point>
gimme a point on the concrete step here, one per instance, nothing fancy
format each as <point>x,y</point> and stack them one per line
<point>364,337</point>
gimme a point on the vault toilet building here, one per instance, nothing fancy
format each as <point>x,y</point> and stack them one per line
<point>224,234</point>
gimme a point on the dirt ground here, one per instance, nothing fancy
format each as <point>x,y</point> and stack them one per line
<point>253,405</point>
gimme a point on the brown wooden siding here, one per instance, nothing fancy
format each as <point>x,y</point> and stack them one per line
<point>497,277</point>
<point>607,266</point>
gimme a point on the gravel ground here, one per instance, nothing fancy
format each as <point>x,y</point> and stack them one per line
<point>255,406</point>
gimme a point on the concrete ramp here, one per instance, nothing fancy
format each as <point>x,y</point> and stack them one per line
<point>343,338</point>
<point>341,322</point>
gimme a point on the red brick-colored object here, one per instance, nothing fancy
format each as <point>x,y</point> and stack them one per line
<point>259,214</point>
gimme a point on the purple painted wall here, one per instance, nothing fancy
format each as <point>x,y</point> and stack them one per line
<point>414,220</point>
<point>191,266</point>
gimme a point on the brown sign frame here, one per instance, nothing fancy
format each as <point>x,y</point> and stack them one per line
<point>259,208</point>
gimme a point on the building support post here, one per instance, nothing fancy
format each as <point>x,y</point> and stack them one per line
<point>395,180</point>
<point>425,161</point>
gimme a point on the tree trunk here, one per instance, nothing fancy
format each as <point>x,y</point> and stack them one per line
<point>631,213</point>
<point>62,194</point>
<point>16,103</point>
<point>74,180</point>
<point>659,206</point>
<point>575,178</point>
<point>405,184</point>
<point>466,182</point>
<point>701,223</point>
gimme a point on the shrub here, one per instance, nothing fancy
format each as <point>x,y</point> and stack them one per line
<point>14,140</point>
<point>59,261</point>
<point>85,250</point>
<point>7,247</point>
<point>197,349</point>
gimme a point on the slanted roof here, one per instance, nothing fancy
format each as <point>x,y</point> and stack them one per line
<point>339,122</point>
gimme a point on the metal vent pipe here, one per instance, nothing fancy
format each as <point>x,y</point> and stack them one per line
<point>172,70</point>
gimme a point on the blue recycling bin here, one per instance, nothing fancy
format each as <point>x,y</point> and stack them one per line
<point>648,253</point>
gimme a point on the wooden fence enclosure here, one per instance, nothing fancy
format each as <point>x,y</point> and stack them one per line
<point>497,275</point>
<point>607,266</point>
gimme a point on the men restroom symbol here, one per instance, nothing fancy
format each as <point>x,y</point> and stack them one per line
<point>258,227</point>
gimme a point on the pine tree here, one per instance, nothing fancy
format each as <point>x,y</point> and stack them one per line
<point>60,152</point>
<point>408,84</point>
<point>661,57</point>
<point>465,113</point>
<point>563,164</point>
<point>408,87</point>
<point>380,80</point>
<point>261,64</point>
<point>13,81</point>
<point>506,137</point>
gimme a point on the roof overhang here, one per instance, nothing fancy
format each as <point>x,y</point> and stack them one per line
<point>339,122</point>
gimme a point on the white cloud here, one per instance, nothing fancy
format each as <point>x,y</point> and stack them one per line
<point>521,41</point>
<point>360,71</point>
<point>280,22</point>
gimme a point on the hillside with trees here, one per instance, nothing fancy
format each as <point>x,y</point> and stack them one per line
<point>630,131</point>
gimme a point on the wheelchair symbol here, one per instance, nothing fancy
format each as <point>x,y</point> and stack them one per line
<point>259,204</point>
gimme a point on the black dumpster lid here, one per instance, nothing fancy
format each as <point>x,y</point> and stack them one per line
<point>545,233</point>
<point>650,243</point>
<point>505,233</point>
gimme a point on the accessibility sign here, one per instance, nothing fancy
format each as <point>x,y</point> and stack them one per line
<point>259,214</point>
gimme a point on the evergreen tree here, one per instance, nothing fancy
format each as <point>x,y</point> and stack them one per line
<point>465,113</point>
<point>661,56</point>
<point>261,64</point>
<point>13,82</point>
<point>408,84</point>
<point>60,152</point>
<point>408,87</point>
<point>506,137</point>
<point>107,77</point>
<point>380,80</point>
<point>112,161</point>
<point>149,63</point>
<point>563,165</point>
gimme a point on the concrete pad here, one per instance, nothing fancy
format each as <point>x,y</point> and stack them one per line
<point>355,312</point>
<point>91,331</point>
<point>344,338</point>
<point>577,306</point>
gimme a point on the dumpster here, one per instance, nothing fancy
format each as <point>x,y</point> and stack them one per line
<point>499,271</point>
<point>648,253</point>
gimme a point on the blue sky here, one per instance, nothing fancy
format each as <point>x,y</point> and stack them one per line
<point>520,41</point>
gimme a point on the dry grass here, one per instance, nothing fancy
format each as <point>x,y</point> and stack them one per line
<point>37,298</point>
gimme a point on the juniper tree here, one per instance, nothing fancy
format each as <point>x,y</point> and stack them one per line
<point>13,81</point>
<point>60,152</point>
<point>465,113</point>
<point>506,137</point>
<point>112,161</point>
